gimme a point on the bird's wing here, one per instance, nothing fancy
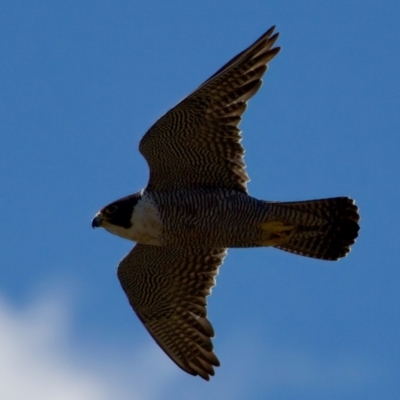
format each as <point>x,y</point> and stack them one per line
<point>197,143</point>
<point>167,287</point>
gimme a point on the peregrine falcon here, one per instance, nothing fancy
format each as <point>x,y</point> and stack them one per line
<point>196,205</point>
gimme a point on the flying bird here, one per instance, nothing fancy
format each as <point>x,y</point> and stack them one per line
<point>196,205</point>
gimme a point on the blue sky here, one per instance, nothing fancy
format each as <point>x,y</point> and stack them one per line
<point>81,82</point>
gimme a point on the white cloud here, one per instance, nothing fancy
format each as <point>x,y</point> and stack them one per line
<point>38,363</point>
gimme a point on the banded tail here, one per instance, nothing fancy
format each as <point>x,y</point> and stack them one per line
<point>322,229</point>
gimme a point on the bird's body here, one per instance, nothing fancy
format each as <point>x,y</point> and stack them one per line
<point>197,218</point>
<point>211,217</point>
<point>204,218</point>
<point>196,205</point>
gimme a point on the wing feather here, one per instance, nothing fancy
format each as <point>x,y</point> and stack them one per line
<point>167,288</point>
<point>197,143</point>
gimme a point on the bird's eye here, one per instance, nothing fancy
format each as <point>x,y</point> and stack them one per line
<point>111,209</point>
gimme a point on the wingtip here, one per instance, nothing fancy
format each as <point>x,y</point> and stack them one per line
<point>270,30</point>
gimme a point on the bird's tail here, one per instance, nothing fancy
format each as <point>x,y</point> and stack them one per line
<point>322,229</point>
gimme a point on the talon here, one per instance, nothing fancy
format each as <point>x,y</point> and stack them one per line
<point>276,233</point>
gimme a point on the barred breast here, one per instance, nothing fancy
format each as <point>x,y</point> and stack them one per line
<point>210,217</point>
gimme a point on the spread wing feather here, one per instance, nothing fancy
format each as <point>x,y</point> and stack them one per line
<point>167,287</point>
<point>197,143</point>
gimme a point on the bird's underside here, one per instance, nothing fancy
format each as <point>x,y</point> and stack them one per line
<point>196,205</point>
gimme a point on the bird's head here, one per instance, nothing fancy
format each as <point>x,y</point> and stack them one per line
<point>116,217</point>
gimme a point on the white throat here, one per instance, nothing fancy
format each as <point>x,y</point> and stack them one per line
<point>146,222</point>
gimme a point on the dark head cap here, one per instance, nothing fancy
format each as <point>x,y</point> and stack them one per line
<point>118,212</point>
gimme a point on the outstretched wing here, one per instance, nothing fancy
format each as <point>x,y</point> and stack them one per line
<point>197,143</point>
<point>167,287</point>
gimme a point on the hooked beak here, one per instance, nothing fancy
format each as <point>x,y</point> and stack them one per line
<point>97,221</point>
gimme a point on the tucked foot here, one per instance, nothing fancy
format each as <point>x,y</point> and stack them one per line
<point>276,233</point>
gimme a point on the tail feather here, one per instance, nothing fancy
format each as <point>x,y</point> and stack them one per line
<point>325,228</point>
